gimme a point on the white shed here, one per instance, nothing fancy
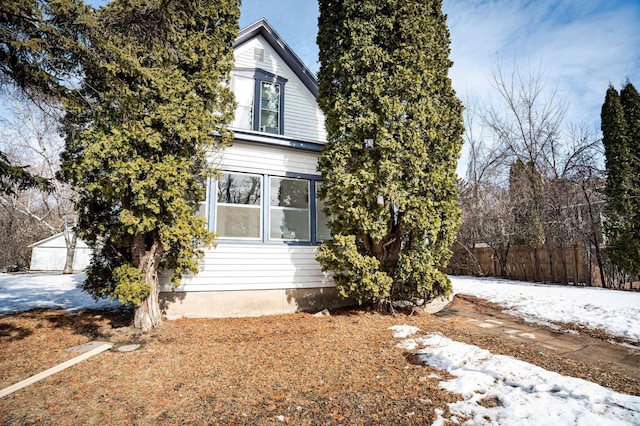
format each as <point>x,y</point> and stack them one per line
<point>50,254</point>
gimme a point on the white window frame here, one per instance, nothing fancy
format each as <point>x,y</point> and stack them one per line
<point>261,109</point>
<point>313,182</point>
<point>260,76</point>
<point>247,206</point>
<point>292,209</point>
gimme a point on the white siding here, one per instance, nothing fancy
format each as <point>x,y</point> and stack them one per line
<point>250,157</point>
<point>257,267</point>
<point>303,118</point>
<point>235,266</point>
<point>50,255</point>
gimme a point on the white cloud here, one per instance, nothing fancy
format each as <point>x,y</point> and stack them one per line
<point>580,45</point>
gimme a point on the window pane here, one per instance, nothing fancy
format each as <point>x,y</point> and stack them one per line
<point>243,88</point>
<point>289,217</point>
<point>322,230</point>
<point>235,188</point>
<point>269,107</point>
<point>289,224</point>
<point>238,213</point>
<point>269,122</point>
<point>238,222</point>
<point>289,193</point>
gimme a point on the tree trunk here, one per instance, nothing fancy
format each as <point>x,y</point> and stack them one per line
<point>70,241</point>
<point>147,253</point>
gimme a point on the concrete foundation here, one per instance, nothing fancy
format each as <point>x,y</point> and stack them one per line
<point>249,303</point>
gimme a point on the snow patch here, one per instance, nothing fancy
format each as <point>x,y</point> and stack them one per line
<point>498,389</point>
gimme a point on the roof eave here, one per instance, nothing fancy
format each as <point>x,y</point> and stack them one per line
<point>263,28</point>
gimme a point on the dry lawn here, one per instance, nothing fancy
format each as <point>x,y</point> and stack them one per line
<point>343,369</point>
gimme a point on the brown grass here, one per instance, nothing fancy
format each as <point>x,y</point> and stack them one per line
<point>342,369</point>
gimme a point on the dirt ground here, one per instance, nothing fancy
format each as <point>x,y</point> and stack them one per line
<point>343,369</point>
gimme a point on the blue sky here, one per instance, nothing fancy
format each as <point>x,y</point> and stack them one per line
<point>579,45</point>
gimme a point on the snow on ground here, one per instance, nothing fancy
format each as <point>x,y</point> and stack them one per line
<point>22,292</point>
<point>617,312</point>
<point>498,389</point>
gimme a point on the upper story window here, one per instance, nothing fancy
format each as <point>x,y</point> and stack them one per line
<point>243,89</point>
<point>269,107</point>
<point>260,98</point>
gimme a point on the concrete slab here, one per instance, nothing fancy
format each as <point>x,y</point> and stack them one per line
<point>600,352</point>
<point>86,347</point>
<point>631,360</point>
<point>127,348</point>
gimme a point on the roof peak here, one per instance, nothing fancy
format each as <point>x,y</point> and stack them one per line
<point>263,27</point>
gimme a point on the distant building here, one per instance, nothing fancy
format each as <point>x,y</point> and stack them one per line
<point>50,254</point>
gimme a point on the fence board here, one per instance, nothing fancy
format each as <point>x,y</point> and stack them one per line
<point>566,264</point>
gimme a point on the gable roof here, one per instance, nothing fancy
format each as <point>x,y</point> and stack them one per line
<point>263,28</point>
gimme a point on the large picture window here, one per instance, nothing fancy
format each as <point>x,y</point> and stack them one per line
<point>267,209</point>
<point>243,88</point>
<point>239,201</point>
<point>289,217</point>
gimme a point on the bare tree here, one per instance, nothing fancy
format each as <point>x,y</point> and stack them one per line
<point>30,136</point>
<point>486,208</point>
<point>530,179</point>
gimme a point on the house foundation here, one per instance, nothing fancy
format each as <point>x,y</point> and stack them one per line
<point>249,303</point>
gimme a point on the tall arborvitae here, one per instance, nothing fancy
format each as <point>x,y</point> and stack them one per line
<point>394,129</point>
<point>156,101</point>
<point>620,139</point>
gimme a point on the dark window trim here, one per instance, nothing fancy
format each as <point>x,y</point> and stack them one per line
<point>259,75</point>
<point>313,181</point>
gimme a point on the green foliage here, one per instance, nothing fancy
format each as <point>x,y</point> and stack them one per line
<point>154,97</point>
<point>39,44</point>
<point>356,274</point>
<point>621,138</point>
<point>131,287</point>
<point>394,130</point>
<point>14,177</point>
<point>37,56</point>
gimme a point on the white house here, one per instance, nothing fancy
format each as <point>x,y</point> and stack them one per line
<point>50,254</point>
<point>264,206</point>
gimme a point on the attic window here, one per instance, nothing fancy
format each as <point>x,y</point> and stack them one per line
<point>260,98</point>
<point>269,107</point>
<point>258,54</point>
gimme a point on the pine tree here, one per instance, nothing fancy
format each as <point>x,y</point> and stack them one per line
<point>620,140</point>
<point>155,103</point>
<point>394,130</point>
<point>38,43</point>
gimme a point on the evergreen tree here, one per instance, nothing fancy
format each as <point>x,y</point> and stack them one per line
<point>394,130</point>
<point>155,102</point>
<point>620,137</point>
<point>38,43</point>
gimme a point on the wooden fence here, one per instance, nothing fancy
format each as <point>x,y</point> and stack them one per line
<point>549,263</point>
